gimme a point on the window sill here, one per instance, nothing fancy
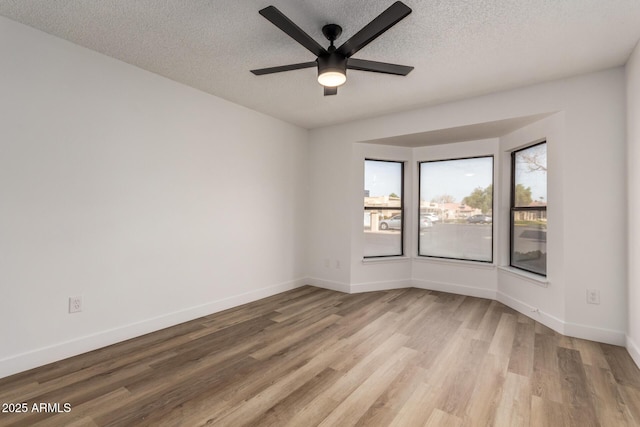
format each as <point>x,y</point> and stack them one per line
<point>529,277</point>
<point>381,260</point>
<point>457,262</point>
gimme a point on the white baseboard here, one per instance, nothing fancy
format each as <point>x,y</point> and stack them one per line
<point>327,284</point>
<point>454,288</point>
<point>565,328</point>
<point>546,319</point>
<point>591,333</point>
<point>42,356</point>
<point>381,286</point>
<point>634,350</point>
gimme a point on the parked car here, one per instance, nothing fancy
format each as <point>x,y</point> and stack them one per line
<point>425,222</point>
<point>393,223</point>
<point>479,219</point>
<point>433,217</point>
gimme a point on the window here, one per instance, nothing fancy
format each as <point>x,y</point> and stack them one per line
<point>529,209</point>
<point>383,208</point>
<point>456,209</point>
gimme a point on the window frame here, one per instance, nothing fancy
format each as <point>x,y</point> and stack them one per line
<point>391,208</point>
<point>513,208</point>
<point>493,210</point>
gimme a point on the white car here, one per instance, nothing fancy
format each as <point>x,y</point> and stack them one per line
<point>433,217</point>
<point>425,222</point>
<point>395,223</point>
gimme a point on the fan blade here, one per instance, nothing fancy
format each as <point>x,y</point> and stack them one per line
<point>281,68</point>
<point>373,29</point>
<point>378,67</point>
<point>330,90</point>
<point>278,19</point>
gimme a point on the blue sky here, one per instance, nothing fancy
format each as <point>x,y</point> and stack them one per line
<point>457,178</point>
<point>536,180</point>
<point>382,178</point>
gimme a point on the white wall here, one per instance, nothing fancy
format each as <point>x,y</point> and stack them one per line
<point>155,202</point>
<point>595,255</point>
<point>543,300</point>
<point>633,159</point>
<point>587,128</point>
<point>329,210</point>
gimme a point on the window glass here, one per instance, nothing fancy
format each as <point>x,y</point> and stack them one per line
<point>529,209</point>
<point>531,176</point>
<point>383,213</point>
<point>456,209</point>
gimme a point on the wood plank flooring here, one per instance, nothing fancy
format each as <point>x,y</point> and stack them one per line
<point>308,357</point>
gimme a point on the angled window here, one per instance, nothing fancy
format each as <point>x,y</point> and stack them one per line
<point>383,208</point>
<point>456,209</point>
<point>529,209</point>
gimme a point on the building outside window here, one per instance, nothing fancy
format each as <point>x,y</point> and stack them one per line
<point>529,209</point>
<point>383,208</point>
<point>456,209</point>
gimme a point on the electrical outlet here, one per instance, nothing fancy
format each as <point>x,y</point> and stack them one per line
<point>593,296</point>
<point>75,304</point>
<point>338,264</point>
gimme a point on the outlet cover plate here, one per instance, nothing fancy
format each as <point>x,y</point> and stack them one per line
<point>75,304</point>
<point>593,296</point>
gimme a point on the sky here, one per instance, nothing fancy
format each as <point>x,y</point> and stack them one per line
<point>536,180</point>
<point>457,178</point>
<point>382,178</point>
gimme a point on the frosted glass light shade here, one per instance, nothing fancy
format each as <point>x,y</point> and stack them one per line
<point>332,78</point>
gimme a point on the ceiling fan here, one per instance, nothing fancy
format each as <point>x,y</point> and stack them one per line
<point>333,62</point>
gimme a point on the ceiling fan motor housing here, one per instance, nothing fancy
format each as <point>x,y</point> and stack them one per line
<point>332,63</point>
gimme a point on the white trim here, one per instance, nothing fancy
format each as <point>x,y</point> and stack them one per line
<point>529,277</point>
<point>634,350</point>
<point>327,284</point>
<point>592,333</point>
<point>457,262</point>
<point>42,356</point>
<point>454,288</point>
<point>380,286</point>
<point>382,260</point>
<point>533,312</point>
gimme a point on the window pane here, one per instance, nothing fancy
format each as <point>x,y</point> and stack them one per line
<point>382,184</point>
<point>382,233</point>
<point>383,216</point>
<point>529,246</point>
<point>531,176</point>
<point>529,209</point>
<point>456,196</point>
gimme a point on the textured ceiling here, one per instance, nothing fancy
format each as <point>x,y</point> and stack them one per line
<point>459,48</point>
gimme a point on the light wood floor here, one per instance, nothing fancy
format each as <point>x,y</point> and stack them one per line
<point>311,357</point>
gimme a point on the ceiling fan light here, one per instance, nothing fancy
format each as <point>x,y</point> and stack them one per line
<point>332,78</point>
<point>332,69</point>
